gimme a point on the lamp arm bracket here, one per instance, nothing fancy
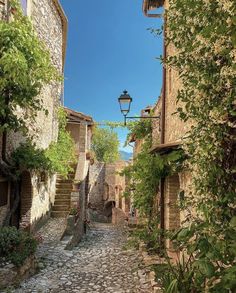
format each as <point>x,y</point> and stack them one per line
<point>143,117</point>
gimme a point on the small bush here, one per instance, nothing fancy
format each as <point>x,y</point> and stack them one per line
<point>16,245</point>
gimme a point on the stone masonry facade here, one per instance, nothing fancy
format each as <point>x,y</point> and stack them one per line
<point>38,193</point>
<point>80,127</point>
<point>106,201</point>
<point>168,134</point>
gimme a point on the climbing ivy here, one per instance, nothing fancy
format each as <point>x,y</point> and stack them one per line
<point>204,35</point>
<point>144,177</point>
<point>61,153</point>
<point>25,66</point>
<point>57,158</point>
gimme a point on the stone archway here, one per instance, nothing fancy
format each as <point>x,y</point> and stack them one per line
<point>26,200</point>
<point>108,209</point>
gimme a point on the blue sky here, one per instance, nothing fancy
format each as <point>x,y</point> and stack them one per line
<point>109,49</point>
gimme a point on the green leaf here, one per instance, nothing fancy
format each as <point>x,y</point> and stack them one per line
<point>233,222</point>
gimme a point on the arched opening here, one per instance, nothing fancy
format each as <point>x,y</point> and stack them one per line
<point>108,209</point>
<point>26,195</point>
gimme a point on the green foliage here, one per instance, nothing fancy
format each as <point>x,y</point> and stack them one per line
<point>147,169</point>
<point>15,245</point>
<point>62,153</point>
<point>203,33</point>
<point>144,177</point>
<point>140,129</point>
<point>57,158</point>
<point>28,157</point>
<point>105,144</point>
<point>25,66</point>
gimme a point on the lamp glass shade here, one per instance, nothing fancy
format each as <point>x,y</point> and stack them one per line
<point>125,101</point>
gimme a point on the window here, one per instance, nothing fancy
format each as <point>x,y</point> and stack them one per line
<point>24,6</point>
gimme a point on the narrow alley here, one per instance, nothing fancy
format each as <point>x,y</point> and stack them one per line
<point>98,264</point>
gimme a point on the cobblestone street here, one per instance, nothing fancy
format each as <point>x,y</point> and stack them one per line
<point>98,264</point>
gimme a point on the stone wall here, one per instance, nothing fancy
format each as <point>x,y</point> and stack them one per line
<point>97,193</point>
<point>48,23</point>
<point>156,123</point>
<point>175,128</point>
<point>106,190</point>
<point>51,33</point>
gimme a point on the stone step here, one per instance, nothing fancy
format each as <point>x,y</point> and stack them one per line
<point>65,185</point>
<point>62,208</point>
<point>62,181</point>
<point>63,196</point>
<point>63,191</point>
<point>65,202</point>
<point>68,177</point>
<point>59,214</point>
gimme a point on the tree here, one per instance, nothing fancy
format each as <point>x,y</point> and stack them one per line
<point>105,145</point>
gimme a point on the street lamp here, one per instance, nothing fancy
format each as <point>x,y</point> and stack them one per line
<point>125,101</point>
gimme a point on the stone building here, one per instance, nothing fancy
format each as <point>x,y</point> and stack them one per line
<point>168,134</point>
<point>106,200</point>
<point>37,190</point>
<point>72,192</point>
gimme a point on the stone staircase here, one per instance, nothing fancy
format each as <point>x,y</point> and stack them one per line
<point>62,203</point>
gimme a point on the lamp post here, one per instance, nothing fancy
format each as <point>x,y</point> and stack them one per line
<point>125,101</point>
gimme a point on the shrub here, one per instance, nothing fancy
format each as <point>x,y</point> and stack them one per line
<point>15,245</point>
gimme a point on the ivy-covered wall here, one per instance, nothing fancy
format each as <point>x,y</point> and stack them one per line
<point>45,127</point>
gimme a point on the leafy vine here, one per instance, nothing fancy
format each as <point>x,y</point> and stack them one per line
<point>204,35</point>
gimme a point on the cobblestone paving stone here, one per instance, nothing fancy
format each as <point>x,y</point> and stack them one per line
<point>99,264</point>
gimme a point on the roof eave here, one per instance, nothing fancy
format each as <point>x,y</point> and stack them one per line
<point>75,116</point>
<point>166,148</point>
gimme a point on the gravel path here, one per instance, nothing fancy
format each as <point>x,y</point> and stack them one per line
<point>99,264</point>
